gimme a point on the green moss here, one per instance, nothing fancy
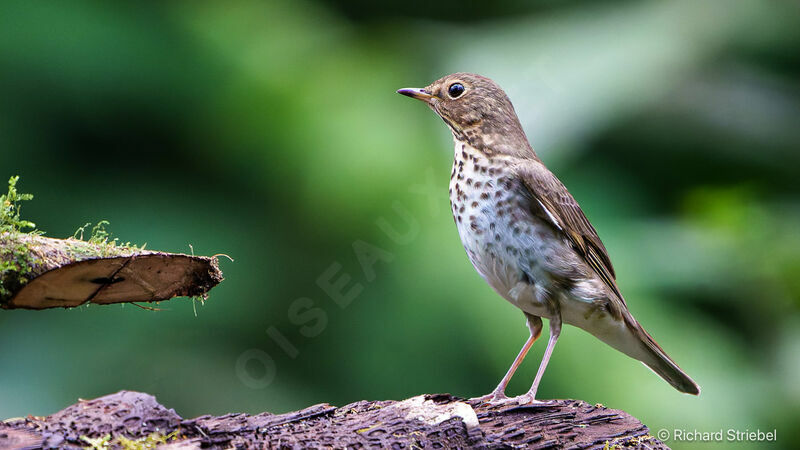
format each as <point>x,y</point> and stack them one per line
<point>15,263</point>
<point>101,238</point>
<point>10,220</point>
<point>15,266</point>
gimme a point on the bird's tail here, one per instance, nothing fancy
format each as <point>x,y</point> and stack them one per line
<point>626,335</point>
<point>657,360</point>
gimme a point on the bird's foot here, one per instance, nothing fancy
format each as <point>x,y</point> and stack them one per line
<point>500,399</point>
<point>493,398</point>
<point>529,399</point>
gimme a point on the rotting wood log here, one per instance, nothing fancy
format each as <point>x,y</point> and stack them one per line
<point>38,272</point>
<point>426,421</point>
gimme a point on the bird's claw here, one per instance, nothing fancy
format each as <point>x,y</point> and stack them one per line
<point>529,399</point>
<point>493,398</point>
<point>499,398</point>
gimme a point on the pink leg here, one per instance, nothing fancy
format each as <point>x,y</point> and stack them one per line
<point>555,331</point>
<point>499,393</point>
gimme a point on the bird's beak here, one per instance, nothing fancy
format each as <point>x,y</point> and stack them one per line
<point>419,94</point>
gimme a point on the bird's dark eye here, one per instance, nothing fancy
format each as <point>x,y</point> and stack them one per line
<point>455,90</point>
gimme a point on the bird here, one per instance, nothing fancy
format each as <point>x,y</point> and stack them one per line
<point>527,236</point>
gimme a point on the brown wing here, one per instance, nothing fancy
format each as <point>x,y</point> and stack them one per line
<point>563,211</point>
<point>552,201</point>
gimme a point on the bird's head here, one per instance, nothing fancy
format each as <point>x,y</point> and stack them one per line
<point>476,110</point>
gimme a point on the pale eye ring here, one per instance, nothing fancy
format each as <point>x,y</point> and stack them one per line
<point>455,90</point>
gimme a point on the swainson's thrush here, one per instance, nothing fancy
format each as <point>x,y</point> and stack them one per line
<point>527,236</point>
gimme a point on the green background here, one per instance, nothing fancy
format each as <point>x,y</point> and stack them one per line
<point>271,132</point>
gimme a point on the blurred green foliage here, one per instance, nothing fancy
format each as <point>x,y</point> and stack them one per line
<point>270,131</point>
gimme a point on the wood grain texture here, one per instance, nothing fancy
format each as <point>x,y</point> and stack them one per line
<point>427,421</point>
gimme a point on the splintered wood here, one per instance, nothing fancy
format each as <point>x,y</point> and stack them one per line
<point>40,273</point>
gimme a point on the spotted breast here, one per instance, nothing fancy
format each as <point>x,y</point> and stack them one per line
<point>509,246</point>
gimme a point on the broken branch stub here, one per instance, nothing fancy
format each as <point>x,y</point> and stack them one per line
<point>40,273</point>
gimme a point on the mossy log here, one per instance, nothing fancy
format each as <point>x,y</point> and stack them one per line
<point>426,421</point>
<point>37,272</point>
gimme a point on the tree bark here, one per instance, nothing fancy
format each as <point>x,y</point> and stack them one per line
<point>427,421</point>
